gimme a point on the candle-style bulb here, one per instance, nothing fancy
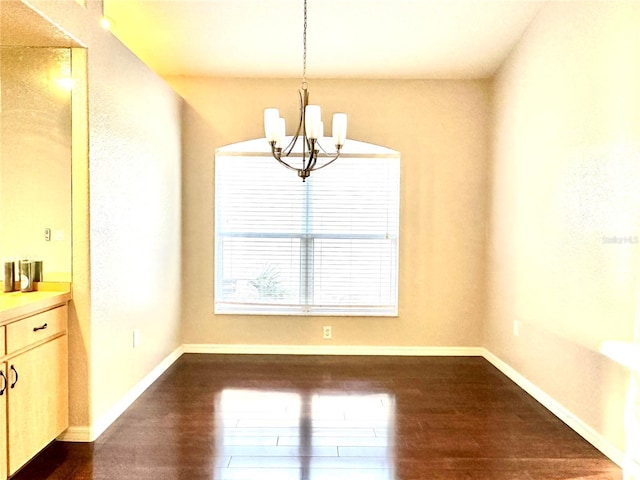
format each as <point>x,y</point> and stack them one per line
<point>339,128</point>
<point>271,116</point>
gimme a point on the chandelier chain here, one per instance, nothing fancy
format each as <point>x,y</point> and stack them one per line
<point>304,43</point>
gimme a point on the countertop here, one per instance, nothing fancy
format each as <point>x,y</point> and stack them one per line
<point>16,305</point>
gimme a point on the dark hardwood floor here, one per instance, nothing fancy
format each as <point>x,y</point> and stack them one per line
<point>230,417</point>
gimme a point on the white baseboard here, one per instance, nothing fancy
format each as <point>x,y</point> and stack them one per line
<point>89,434</point>
<point>333,350</point>
<point>575,423</point>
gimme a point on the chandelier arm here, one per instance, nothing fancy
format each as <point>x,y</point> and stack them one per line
<point>286,164</point>
<point>310,143</point>
<point>305,161</point>
<point>289,148</point>
<point>320,147</point>
<point>313,160</point>
<point>304,99</point>
<point>276,153</point>
<point>327,164</point>
<point>325,152</point>
<point>313,154</point>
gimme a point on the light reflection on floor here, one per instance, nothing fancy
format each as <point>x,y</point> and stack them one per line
<point>304,436</point>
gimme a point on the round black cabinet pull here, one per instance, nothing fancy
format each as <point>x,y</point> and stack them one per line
<point>43,327</point>
<point>16,374</point>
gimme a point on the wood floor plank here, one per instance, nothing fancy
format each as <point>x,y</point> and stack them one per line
<point>236,440</point>
<point>357,463</point>
<point>277,451</point>
<point>338,441</point>
<point>252,417</point>
<point>360,451</point>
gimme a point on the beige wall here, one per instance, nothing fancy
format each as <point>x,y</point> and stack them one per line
<point>564,186</point>
<point>133,239</point>
<point>134,129</point>
<point>441,129</point>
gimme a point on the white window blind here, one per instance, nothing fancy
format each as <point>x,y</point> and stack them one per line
<point>327,246</point>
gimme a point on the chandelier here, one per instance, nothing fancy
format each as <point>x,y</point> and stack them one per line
<point>309,125</point>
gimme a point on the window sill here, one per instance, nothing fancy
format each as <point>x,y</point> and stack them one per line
<point>279,310</point>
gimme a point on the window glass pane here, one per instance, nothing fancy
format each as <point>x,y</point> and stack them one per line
<point>354,272</point>
<point>356,195</point>
<point>255,197</point>
<point>260,270</point>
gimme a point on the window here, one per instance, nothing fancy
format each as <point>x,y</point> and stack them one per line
<point>327,246</point>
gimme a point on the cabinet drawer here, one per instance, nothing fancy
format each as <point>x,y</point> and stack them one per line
<point>35,328</point>
<point>2,344</point>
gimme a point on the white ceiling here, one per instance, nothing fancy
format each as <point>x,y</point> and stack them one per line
<point>345,38</point>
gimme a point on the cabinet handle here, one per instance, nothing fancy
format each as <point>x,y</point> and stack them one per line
<point>4,383</point>
<point>16,374</point>
<point>43,327</point>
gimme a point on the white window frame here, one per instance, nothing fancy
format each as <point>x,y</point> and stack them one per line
<point>353,149</point>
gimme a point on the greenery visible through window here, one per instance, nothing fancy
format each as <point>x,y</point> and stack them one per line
<point>327,246</point>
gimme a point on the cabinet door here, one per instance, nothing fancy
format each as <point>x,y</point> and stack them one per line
<point>4,388</point>
<point>37,400</point>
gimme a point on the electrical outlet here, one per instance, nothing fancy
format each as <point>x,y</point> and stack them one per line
<point>516,328</point>
<point>136,337</point>
<point>326,332</point>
